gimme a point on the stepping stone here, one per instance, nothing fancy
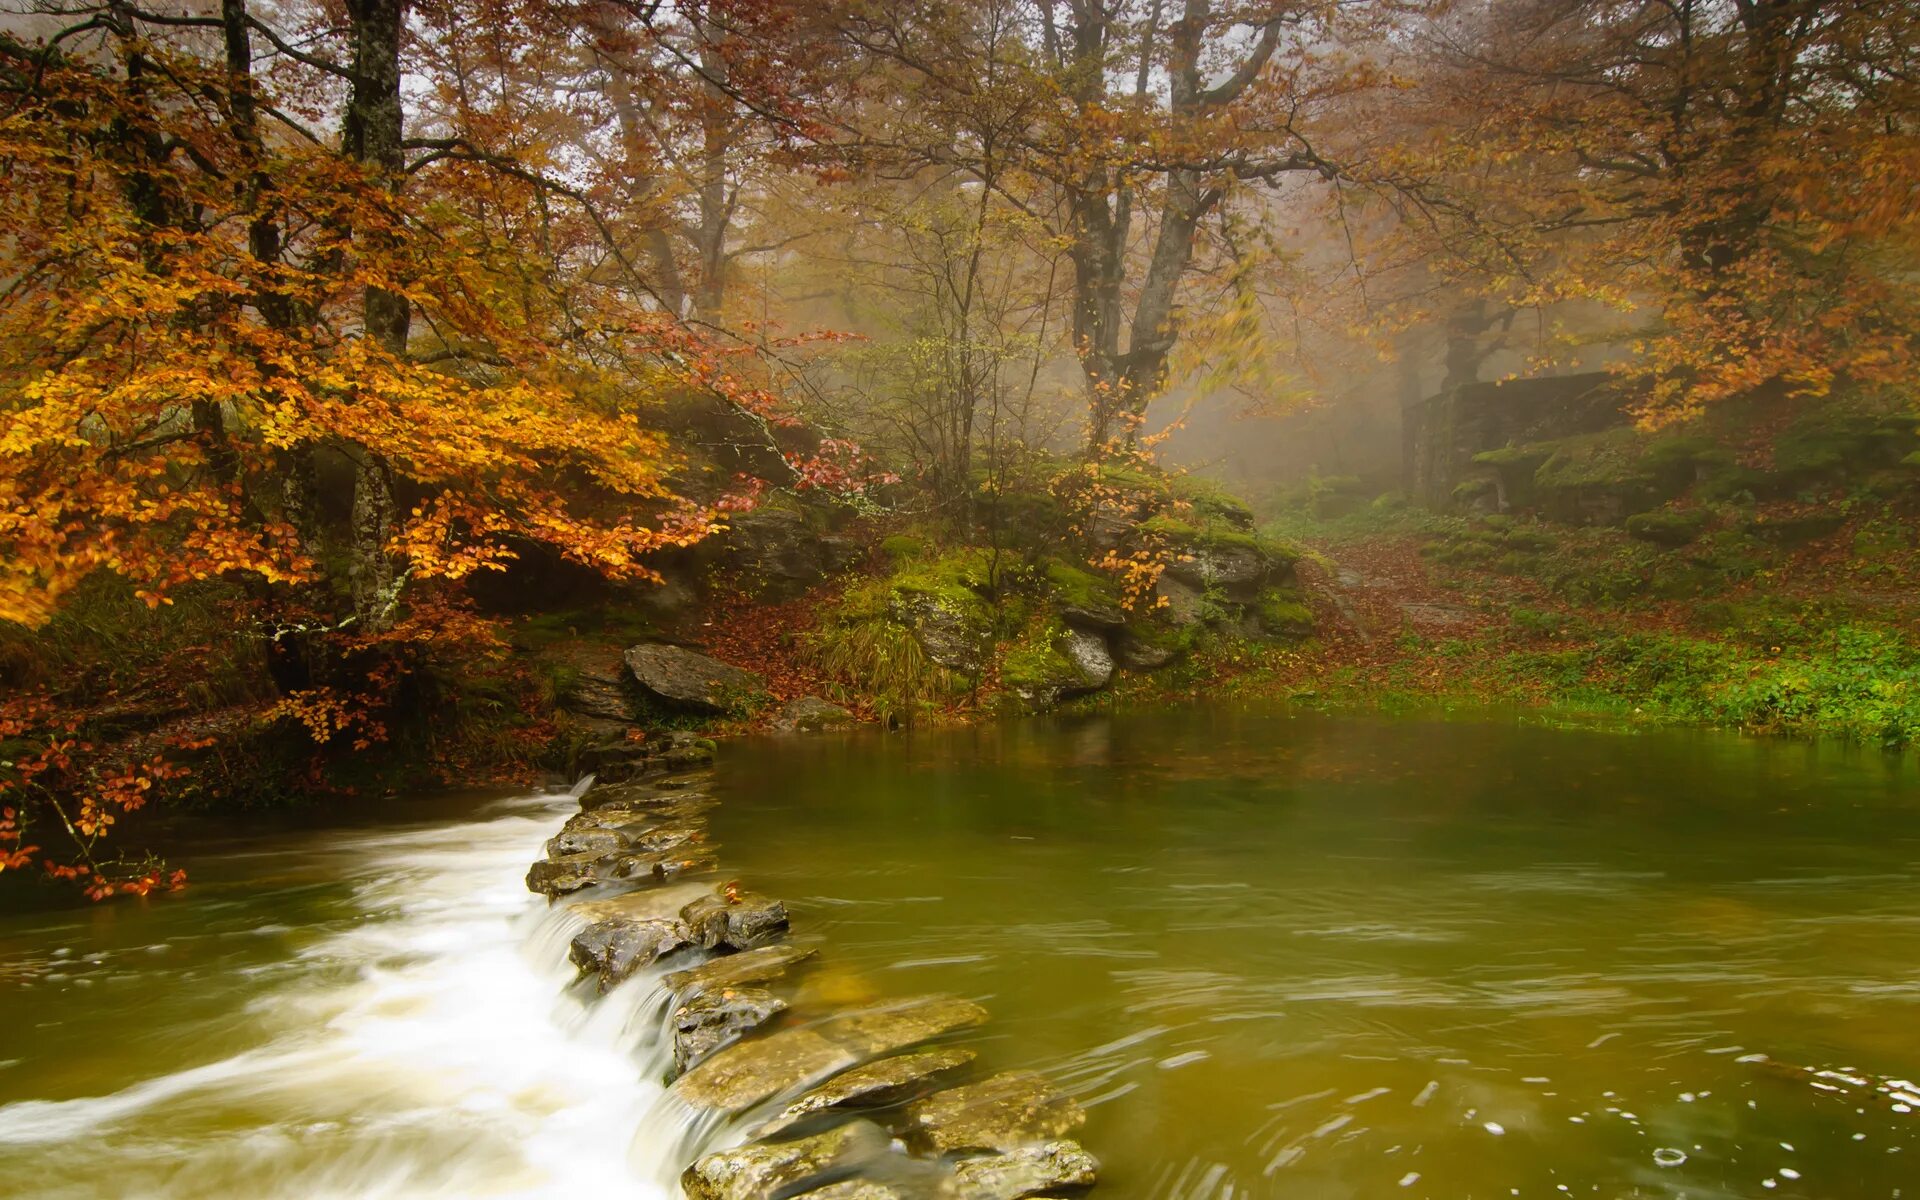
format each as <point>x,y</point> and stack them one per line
<point>630,931</point>
<point>749,1072</point>
<point>741,920</point>
<point>876,1085</point>
<point>738,970</point>
<point>760,1170</point>
<point>718,1018</point>
<point>893,1027</point>
<point>1005,1112</point>
<point>1045,1169</point>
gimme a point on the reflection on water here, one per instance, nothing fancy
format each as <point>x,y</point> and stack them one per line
<point>1342,957</point>
<point>350,1014</point>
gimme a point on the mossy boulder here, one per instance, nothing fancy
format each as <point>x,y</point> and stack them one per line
<point>1055,663</point>
<point>1281,612</point>
<point>1667,527</point>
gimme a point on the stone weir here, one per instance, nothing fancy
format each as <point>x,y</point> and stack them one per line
<point>807,1100</point>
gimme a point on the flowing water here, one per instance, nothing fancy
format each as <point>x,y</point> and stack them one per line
<point>369,1012</point>
<point>1272,955</point>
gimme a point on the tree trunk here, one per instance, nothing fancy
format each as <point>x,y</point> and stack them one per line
<point>372,138</point>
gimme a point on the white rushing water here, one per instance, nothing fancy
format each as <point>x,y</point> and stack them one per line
<point>431,1048</point>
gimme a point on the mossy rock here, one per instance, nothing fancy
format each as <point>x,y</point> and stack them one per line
<point>1516,459</point>
<point>903,547</point>
<point>1212,505</point>
<point>1667,527</point>
<point>1795,529</point>
<point>1474,492</point>
<point>1077,587</point>
<point>1281,612</point>
<point>1610,460</point>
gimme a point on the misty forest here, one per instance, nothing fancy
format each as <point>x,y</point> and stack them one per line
<point>962,600</point>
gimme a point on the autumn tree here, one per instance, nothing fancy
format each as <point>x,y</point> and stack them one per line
<point>245,348</point>
<point>1732,180</point>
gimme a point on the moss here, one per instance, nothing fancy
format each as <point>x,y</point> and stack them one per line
<point>1034,662</point>
<point>1796,529</point>
<point>1171,527</point>
<point>1212,504</point>
<point>1076,586</point>
<point>1514,458</point>
<point>903,547</point>
<point>959,579</point>
<point>1469,491</point>
<point>1610,460</point>
<point>1281,612</point>
<point>1667,527</point>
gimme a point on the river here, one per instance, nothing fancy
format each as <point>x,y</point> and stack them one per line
<point>1272,955</point>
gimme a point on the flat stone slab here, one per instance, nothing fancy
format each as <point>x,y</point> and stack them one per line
<point>875,1085</point>
<point>746,1073</point>
<point>738,970</point>
<point>749,1072</point>
<point>762,1171</point>
<point>1004,1113</point>
<point>1045,1169</point>
<point>680,678</point>
<point>896,1026</point>
<point>718,1018</point>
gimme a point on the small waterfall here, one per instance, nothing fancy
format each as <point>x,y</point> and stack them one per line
<point>438,1046</point>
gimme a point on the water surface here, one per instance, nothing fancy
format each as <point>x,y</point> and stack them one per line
<point>1339,957</point>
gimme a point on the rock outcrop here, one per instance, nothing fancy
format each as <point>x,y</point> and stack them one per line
<point>683,679</point>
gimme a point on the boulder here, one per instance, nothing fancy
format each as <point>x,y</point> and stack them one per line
<point>955,639</point>
<point>1087,651</point>
<point>739,920</point>
<point>810,714</point>
<point>763,1171</point>
<point>737,970</point>
<point>1230,566</point>
<point>1185,603</point>
<point>876,1085</point>
<point>1005,1112</point>
<point>1044,1169</point>
<point>679,678</point>
<point>747,1073</point>
<point>717,1018</point>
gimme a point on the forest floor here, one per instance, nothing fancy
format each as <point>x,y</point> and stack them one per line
<point>1817,636</point>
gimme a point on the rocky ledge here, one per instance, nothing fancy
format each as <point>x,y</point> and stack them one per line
<point>835,1104</point>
